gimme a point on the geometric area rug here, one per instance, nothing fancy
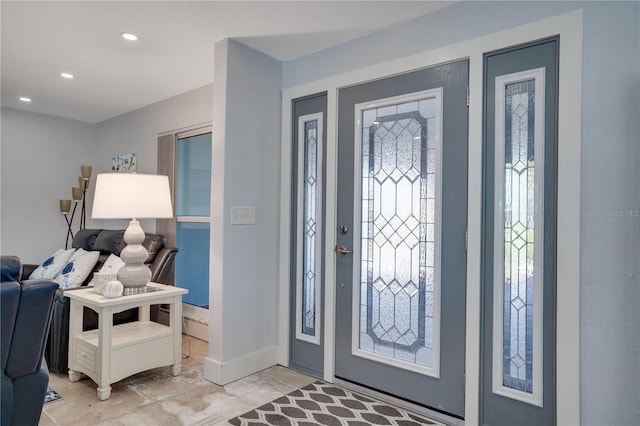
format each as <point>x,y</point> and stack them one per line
<point>51,396</point>
<point>323,403</point>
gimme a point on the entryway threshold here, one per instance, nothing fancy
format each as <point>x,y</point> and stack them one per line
<point>418,409</point>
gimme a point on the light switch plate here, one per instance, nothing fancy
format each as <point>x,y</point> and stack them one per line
<point>243,215</point>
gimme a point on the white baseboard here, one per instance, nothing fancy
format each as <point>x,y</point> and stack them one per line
<point>195,321</point>
<point>222,373</point>
<point>195,329</point>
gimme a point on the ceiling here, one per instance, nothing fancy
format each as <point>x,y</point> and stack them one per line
<point>175,50</point>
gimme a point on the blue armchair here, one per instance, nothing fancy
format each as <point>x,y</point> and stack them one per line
<point>25,314</point>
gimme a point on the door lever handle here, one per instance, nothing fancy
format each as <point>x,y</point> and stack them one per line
<point>342,249</point>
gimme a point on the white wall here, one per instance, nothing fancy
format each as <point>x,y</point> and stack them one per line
<point>137,132</point>
<point>610,244</point>
<point>41,158</point>
<point>246,172</point>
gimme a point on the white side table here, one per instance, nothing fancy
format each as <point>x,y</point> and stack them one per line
<point>111,353</point>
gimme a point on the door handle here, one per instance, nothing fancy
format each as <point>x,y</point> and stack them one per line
<point>342,249</point>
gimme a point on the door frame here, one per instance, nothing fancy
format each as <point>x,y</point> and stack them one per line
<point>569,27</point>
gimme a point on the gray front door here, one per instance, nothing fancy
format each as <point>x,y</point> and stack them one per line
<point>402,215</point>
<point>519,235</point>
<point>307,234</point>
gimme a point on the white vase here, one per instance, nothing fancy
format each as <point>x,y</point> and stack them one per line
<point>113,288</point>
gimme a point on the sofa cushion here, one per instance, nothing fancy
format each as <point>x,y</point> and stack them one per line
<point>85,239</point>
<point>6,407</point>
<point>110,240</point>
<point>52,265</point>
<point>153,243</point>
<point>11,269</point>
<point>77,268</point>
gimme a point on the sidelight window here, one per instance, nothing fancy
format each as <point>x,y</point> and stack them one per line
<point>309,145</point>
<point>518,243</point>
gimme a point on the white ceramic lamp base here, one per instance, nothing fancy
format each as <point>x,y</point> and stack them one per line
<point>134,274</point>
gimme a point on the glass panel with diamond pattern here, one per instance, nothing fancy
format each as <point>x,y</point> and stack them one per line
<point>519,242</point>
<point>398,231</point>
<point>310,227</point>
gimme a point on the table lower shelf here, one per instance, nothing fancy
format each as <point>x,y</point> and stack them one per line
<point>135,347</point>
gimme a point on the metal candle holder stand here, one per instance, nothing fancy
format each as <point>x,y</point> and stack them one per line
<point>69,223</point>
<point>83,212</point>
<point>65,205</point>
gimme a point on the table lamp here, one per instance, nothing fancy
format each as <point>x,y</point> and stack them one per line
<point>132,196</point>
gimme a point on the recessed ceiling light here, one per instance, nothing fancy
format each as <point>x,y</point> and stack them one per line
<point>129,36</point>
<point>66,75</point>
<point>25,99</point>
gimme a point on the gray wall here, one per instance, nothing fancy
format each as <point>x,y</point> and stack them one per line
<point>41,158</point>
<point>246,172</point>
<point>610,270</point>
<point>452,24</point>
<point>610,227</point>
<point>137,132</point>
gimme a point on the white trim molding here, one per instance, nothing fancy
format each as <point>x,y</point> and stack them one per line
<point>222,373</point>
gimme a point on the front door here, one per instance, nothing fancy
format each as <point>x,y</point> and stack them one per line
<point>402,217</point>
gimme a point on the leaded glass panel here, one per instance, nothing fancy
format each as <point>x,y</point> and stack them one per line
<point>397,291</point>
<point>519,169</point>
<point>309,225</point>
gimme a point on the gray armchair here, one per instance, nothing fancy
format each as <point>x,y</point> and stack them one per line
<point>26,314</point>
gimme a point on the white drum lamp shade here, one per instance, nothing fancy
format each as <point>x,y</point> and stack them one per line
<point>132,196</point>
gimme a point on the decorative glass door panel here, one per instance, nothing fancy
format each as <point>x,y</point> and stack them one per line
<point>518,296</point>
<point>309,227</point>
<point>399,281</point>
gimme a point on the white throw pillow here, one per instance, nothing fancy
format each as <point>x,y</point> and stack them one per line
<point>53,265</point>
<point>77,268</point>
<point>112,264</point>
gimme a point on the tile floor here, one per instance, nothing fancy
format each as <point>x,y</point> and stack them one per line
<point>154,397</point>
